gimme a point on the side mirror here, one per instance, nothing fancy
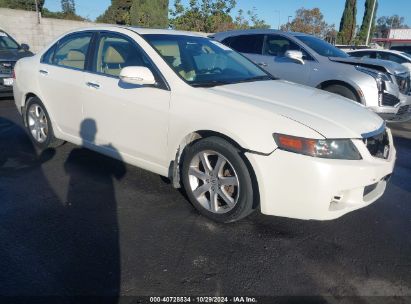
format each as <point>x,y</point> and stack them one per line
<point>295,56</point>
<point>137,75</point>
<point>25,47</point>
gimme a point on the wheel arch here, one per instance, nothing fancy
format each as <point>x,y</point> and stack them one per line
<point>328,83</point>
<point>189,139</point>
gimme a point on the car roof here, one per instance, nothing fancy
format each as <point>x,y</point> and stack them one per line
<point>139,30</point>
<point>223,35</point>
<point>377,50</point>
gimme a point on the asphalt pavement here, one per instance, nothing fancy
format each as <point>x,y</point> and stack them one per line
<point>75,223</point>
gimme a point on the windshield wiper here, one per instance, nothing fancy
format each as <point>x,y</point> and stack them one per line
<point>257,78</point>
<point>210,84</point>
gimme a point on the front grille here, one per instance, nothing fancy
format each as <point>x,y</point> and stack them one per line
<point>389,100</point>
<point>403,110</point>
<point>404,83</point>
<point>378,145</point>
<point>6,68</point>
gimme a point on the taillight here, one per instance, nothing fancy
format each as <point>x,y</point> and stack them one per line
<point>14,74</point>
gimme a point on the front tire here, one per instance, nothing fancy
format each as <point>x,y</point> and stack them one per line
<point>217,181</point>
<point>39,126</point>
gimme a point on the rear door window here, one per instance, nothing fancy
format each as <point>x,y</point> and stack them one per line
<point>72,51</point>
<point>249,44</point>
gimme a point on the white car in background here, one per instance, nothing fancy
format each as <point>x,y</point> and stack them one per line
<point>390,55</point>
<point>189,108</point>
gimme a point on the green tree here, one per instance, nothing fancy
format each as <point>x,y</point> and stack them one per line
<point>348,22</point>
<point>362,35</point>
<point>28,5</point>
<point>149,13</point>
<point>310,21</point>
<point>212,16</point>
<point>385,23</point>
<point>117,13</point>
<point>68,7</point>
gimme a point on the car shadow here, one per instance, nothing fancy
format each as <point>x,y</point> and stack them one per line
<point>66,248</point>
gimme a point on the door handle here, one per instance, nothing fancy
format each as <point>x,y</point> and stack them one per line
<point>43,72</point>
<point>93,85</point>
<point>262,64</point>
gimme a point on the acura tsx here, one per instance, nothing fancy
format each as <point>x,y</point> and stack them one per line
<point>195,111</point>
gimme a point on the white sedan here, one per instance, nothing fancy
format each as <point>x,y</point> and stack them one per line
<point>189,108</point>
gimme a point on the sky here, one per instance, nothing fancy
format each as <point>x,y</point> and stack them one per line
<point>272,11</point>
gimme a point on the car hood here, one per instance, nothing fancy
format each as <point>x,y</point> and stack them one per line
<point>377,64</point>
<point>13,55</point>
<point>330,115</point>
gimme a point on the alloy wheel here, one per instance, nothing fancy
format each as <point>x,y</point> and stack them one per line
<point>37,122</point>
<point>214,182</point>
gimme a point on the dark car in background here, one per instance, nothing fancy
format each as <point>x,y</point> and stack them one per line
<point>402,48</point>
<point>10,52</point>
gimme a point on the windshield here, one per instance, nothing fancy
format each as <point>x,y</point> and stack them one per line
<point>6,42</point>
<point>322,47</point>
<point>203,62</point>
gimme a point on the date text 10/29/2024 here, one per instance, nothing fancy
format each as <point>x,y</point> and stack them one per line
<point>203,300</point>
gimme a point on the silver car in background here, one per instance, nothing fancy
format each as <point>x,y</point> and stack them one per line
<point>380,85</point>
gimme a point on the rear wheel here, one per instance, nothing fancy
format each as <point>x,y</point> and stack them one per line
<point>217,180</point>
<point>39,125</point>
<point>342,90</point>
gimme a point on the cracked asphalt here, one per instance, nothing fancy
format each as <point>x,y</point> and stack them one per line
<point>73,222</point>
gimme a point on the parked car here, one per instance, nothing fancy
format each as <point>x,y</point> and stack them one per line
<point>402,48</point>
<point>311,61</point>
<point>191,109</point>
<point>10,52</point>
<point>390,55</point>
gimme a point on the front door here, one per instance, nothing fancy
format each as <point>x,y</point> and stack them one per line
<point>282,67</point>
<point>128,119</point>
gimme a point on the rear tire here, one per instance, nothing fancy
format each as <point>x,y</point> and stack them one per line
<point>38,124</point>
<point>217,180</point>
<point>342,91</point>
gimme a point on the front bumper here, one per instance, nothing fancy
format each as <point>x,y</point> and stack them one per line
<point>399,113</point>
<point>303,187</point>
<point>5,91</point>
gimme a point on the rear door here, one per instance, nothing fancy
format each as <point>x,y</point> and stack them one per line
<point>61,80</point>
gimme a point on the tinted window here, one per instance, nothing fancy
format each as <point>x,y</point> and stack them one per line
<point>404,48</point>
<point>250,44</point>
<point>204,62</point>
<point>6,42</point>
<point>276,45</point>
<point>72,51</point>
<point>322,47</point>
<point>391,57</point>
<point>115,53</point>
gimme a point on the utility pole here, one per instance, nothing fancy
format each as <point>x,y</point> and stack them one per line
<point>288,23</point>
<point>37,11</point>
<point>370,25</point>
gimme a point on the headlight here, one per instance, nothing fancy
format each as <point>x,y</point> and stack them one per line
<point>322,148</point>
<point>379,76</point>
